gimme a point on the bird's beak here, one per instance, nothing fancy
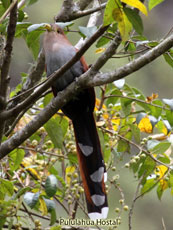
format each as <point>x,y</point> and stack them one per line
<point>48,27</point>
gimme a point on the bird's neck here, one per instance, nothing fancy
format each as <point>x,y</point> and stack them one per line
<point>54,42</point>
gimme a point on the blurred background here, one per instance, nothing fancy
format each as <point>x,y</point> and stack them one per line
<point>156,77</point>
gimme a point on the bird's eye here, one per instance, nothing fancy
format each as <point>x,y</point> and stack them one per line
<point>58,31</point>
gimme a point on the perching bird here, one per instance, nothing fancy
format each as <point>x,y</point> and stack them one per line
<point>58,51</point>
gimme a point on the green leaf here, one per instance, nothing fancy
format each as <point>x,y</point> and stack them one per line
<point>50,204</point>
<point>87,31</point>
<point>16,157</point>
<point>136,166</point>
<point>140,96</point>
<point>2,222</point>
<point>20,192</point>
<point>155,111</point>
<point>159,191</point>
<point>56,228</point>
<point>147,168</point>
<point>126,105</point>
<point>72,158</point>
<point>136,132</point>
<point>157,147</point>
<point>6,187</point>
<point>21,28</point>
<point>52,217</point>
<point>123,146</point>
<point>108,14</point>
<point>169,58</point>
<point>33,42</point>
<point>102,41</point>
<point>31,199</point>
<point>21,16</point>
<point>114,13</point>
<point>3,26</point>
<point>165,159</point>
<point>51,185</point>
<point>148,186</point>
<point>47,99</point>
<point>151,144</point>
<point>163,126</point>
<point>107,154</point>
<point>113,100</point>
<point>169,116</point>
<point>55,132</point>
<point>135,20</point>
<point>153,3</point>
<point>171,180</point>
<point>2,10</point>
<point>6,3</point>
<point>130,48</point>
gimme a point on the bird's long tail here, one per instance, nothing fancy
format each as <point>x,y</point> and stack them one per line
<point>92,167</point>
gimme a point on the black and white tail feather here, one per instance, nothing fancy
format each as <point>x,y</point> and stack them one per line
<point>92,166</point>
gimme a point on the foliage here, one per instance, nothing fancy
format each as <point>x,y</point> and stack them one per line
<point>43,172</point>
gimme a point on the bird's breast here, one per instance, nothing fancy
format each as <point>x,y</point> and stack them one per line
<point>56,57</point>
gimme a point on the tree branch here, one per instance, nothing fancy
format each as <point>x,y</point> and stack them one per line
<point>4,78</point>
<point>133,203</point>
<point>73,11</point>
<point>133,66</point>
<point>82,4</point>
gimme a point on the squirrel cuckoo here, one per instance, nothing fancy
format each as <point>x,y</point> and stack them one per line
<point>58,50</point>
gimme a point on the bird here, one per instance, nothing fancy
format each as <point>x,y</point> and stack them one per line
<point>58,51</point>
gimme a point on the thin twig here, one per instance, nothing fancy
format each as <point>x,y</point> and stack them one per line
<point>8,11</point>
<point>141,149</point>
<point>138,100</point>
<point>163,224</point>
<point>26,211</point>
<point>59,202</point>
<point>122,197</point>
<point>133,202</point>
<point>15,122</point>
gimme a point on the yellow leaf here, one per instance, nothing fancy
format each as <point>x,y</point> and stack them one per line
<point>98,105</point>
<point>124,25</point>
<point>33,172</point>
<point>27,161</point>
<point>116,123</point>
<point>145,125</point>
<point>105,116</point>
<point>110,6</point>
<point>137,4</point>
<point>100,50</point>
<point>161,171</point>
<point>43,207</point>
<point>68,172</point>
